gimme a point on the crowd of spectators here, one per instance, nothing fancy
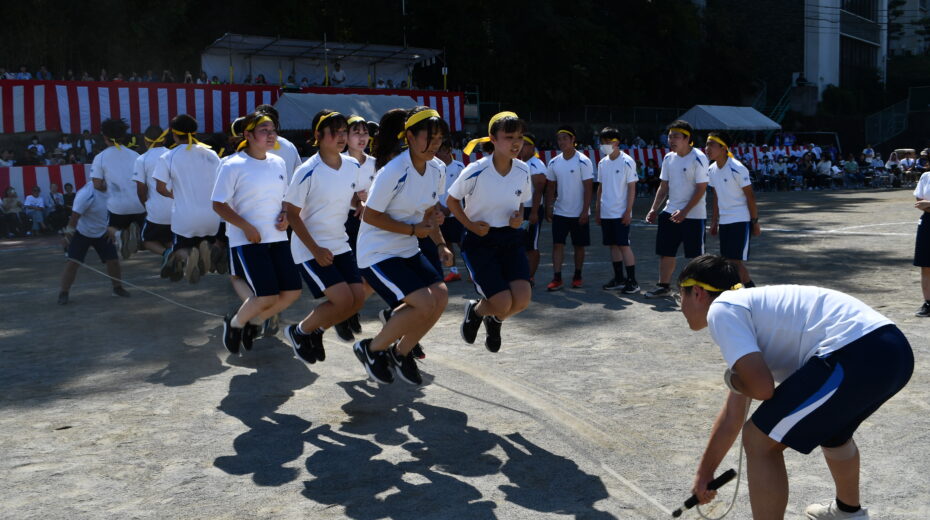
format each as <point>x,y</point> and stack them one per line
<point>67,149</point>
<point>39,213</point>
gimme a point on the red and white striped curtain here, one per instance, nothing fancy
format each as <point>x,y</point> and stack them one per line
<point>27,106</point>
<point>23,178</point>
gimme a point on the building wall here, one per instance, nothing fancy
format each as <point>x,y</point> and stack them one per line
<point>909,42</point>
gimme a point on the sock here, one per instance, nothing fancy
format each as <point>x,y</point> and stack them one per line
<point>846,508</point>
<point>256,321</point>
<point>577,275</point>
<point>631,273</point>
<point>235,322</point>
<point>665,285</point>
<point>557,275</point>
<point>618,271</point>
<point>301,332</point>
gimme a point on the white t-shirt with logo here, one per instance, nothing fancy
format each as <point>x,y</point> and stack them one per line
<point>115,166</point>
<point>490,196</point>
<point>92,206</point>
<point>683,175</point>
<point>289,153</point>
<point>615,176</point>
<point>191,175</point>
<point>788,324</point>
<point>728,183</point>
<point>367,174</point>
<point>254,189</point>
<point>404,195</point>
<point>453,170</point>
<point>324,196</point>
<point>157,206</point>
<point>570,175</point>
<point>537,167</point>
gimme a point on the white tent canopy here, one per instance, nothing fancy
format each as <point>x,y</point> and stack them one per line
<point>720,117</point>
<point>297,110</point>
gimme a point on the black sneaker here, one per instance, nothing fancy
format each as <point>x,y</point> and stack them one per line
<point>271,325</point>
<point>344,331</point>
<point>405,367</point>
<point>316,339</point>
<point>232,336</point>
<point>167,263</point>
<point>376,364</point>
<point>659,292</point>
<point>303,347</point>
<point>493,327</point>
<point>614,285</point>
<point>923,312</point>
<point>355,323</point>
<point>418,352</point>
<point>249,333</point>
<point>121,292</point>
<point>63,298</point>
<point>631,287</point>
<point>471,323</point>
<point>384,315</point>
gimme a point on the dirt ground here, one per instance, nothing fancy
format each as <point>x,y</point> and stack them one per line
<point>597,406</point>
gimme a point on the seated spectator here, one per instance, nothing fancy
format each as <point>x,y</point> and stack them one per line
<point>119,77</point>
<point>923,162</point>
<point>390,83</point>
<point>35,210</point>
<point>103,75</point>
<point>70,76</point>
<point>13,214</point>
<point>893,163</point>
<point>380,83</point>
<point>31,159</point>
<point>149,76</point>
<point>23,73</point>
<point>403,84</point>
<point>86,145</point>
<point>338,76</point>
<point>68,195</point>
<point>780,173</point>
<point>6,75</point>
<point>37,147</point>
<point>851,170</point>
<point>214,80</point>
<point>652,176</point>
<point>73,157</point>
<point>6,158</point>
<point>85,76</point>
<point>134,77</point>
<point>868,151</point>
<point>56,214</point>
<point>824,172</point>
<point>167,76</point>
<point>202,78</point>
<point>260,80</point>
<point>291,82</point>
<point>304,82</point>
<point>65,144</point>
<point>247,80</point>
<point>188,77</point>
<point>44,74</point>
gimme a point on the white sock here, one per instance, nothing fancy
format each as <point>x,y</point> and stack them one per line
<point>256,321</point>
<point>236,322</point>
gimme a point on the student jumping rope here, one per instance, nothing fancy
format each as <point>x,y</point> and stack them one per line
<point>156,231</point>
<point>190,168</point>
<point>571,175</point>
<point>112,171</point>
<point>239,284</point>
<point>495,189</point>
<point>249,195</point>
<point>613,209</point>
<point>317,200</point>
<point>534,213</point>
<point>451,228</point>
<point>922,244</point>
<point>684,181</point>
<point>735,215</point>
<point>401,207</point>
<point>820,361</point>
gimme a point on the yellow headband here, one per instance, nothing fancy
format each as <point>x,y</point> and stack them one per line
<point>691,282</point>
<point>497,117</point>
<point>355,119</point>
<point>719,141</point>
<point>232,128</point>
<point>190,137</point>
<point>565,132</point>
<point>416,118</point>
<point>680,131</point>
<point>151,142</point>
<point>527,139</point>
<point>318,123</point>
<point>251,127</point>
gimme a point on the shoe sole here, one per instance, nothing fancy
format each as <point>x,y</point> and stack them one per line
<point>468,308</point>
<point>657,296</point>
<point>554,289</point>
<point>613,288</point>
<point>293,342</point>
<point>360,355</point>
<point>398,373</point>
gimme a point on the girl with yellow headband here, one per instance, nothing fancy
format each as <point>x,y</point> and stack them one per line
<point>317,201</point>
<point>283,148</point>
<point>494,190</point>
<point>112,172</point>
<point>735,216</point>
<point>249,195</point>
<point>402,206</point>
<point>156,231</point>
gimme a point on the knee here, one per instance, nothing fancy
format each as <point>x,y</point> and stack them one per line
<point>267,302</point>
<point>520,303</point>
<point>842,452</point>
<point>755,442</point>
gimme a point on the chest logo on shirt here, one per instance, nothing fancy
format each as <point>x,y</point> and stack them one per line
<point>434,194</point>
<point>281,177</point>
<point>353,185</point>
<point>519,192</point>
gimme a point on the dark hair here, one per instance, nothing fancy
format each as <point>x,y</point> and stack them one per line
<point>184,123</point>
<point>334,122</point>
<point>723,136</point>
<point>357,123</point>
<point>446,144</point>
<point>153,132</point>
<point>531,136</point>
<point>679,123</point>
<point>114,129</point>
<point>431,125</point>
<point>386,144</point>
<point>271,111</point>
<point>237,126</point>
<point>505,124</point>
<point>69,184</point>
<point>713,270</point>
<point>610,133</point>
<point>566,128</point>
<point>373,128</point>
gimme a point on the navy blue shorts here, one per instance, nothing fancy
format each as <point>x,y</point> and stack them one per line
<point>532,230</point>
<point>318,279</point>
<point>614,232</point>
<point>823,403</point>
<point>452,230</point>
<point>563,226</point>
<point>922,245</point>
<point>152,232</point>
<point>182,242</point>
<point>496,259</point>
<point>352,225</point>
<point>268,268</point>
<point>734,240</point>
<point>79,245</point>
<point>221,233</point>
<point>395,278</point>
<point>671,235</point>
<point>431,251</point>
<point>122,221</point>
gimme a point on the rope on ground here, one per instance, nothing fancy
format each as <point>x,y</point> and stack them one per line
<point>134,286</point>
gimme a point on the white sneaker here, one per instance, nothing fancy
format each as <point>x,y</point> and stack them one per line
<point>831,511</point>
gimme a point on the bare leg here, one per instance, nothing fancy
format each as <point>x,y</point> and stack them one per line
<point>507,303</point>
<point>765,469</point>
<point>156,247</point>
<point>558,250</point>
<point>533,258</point>
<point>846,478</point>
<point>925,282</point>
<point>579,258</point>
<point>342,300</point>
<point>666,269</point>
<point>68,276</point>
<point>114,271</point>
<point>440,297</point>
<point>241,287</point>
<point>418,307</point>
<point>283,301</point>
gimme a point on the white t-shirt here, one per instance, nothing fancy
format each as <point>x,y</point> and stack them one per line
<point>728,183</point>
<point>324,196</point>
<point>570,175</point>
<point>490,196</point>
<point>34,201</point>
<point>157,206</point>
<point>453,170</point>
<point>788,324</point>
<point>92,206</point>
<point>922,191</point>
<point>289,153</point>
<point>615,176</point>
<point>537,167</point>
<point>115,166</point>
<point>683,174</point>
<point>367,174</point>
<point>405,195</point>
<point>255,190</point>
<point>191,175</point>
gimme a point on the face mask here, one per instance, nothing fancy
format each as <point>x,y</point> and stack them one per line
<point>607,149</point>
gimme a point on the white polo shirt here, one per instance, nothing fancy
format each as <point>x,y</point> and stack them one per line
<point>324,196</point>
<point>92,206</point>
<point>683,174</point>
<point>115,166</point>
<point>289,153</point>
<point>570,175</point>
<point>255,190</point>
<point>788,324</point>
<point>191,175</point>
<point>728,183</point>
<point>453,170</point>
<point>367,174</point>
<point>615,176</point>
<point>922,190</point>
<point>157,206</point>
<point>400,191</point>
<point>490,196</point>
<point>537,167</point>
